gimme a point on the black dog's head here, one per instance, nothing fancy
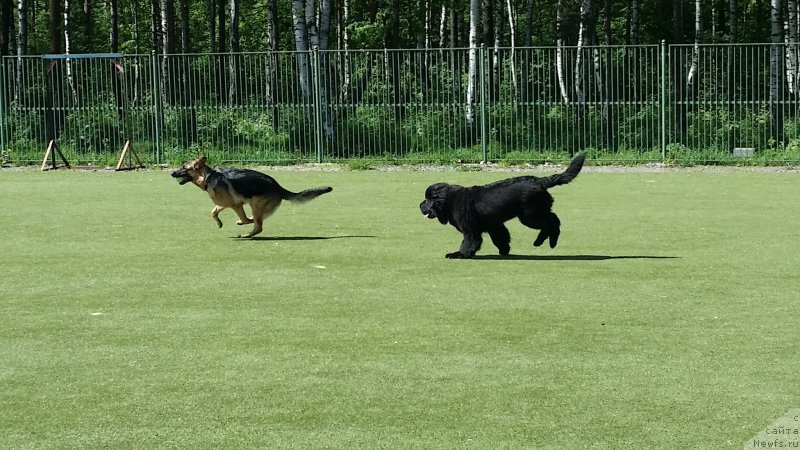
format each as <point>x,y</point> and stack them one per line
<point>435,205</point>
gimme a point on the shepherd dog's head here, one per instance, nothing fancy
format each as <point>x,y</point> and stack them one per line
<point>436,204</point>
<point>190,171</point>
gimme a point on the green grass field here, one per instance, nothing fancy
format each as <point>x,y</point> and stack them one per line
<point>666,318</point>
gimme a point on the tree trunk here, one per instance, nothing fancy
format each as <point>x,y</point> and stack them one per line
<point>585,38</point>
<point>562,82</point>
<point>698,30</point>
<point>486,14</point>
<point>472,74</point>
<point>54,94</point>
<point>512,34</point>
<point>776,81</point>
<point>155,25</point>
<point>395,60</point>
<point>325,82</point>
<point>678,84</point>
<point>233,64</point>
<point>527,40</point>
<point>609,105</point>
<point>211,20</point>
<point>113,29</point>
<point>116,75</point>
<point>302,57</point>
<point>733,37</point>
<point>22,45</point>
<point>88,18</point>
<point>187,81</point>
<point>168,85</point>
<point>442,26</point>
<point>588,18</point>
<point>271,62</point>
<point>68,50</point>
<point>633,23</point>
<point>6,12</point>
<point>791,47</point>
<point>733,21</point>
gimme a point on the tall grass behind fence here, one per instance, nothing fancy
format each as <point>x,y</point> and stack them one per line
<point>608,102</point>
<point>733,97</point>
<point>632,103</point>
<point>242,107</point>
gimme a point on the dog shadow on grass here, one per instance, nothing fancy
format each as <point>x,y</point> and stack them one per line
<point>569,257</point>
<point>298,238</point>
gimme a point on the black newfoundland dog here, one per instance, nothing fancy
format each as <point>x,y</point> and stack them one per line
<point>484,209</point>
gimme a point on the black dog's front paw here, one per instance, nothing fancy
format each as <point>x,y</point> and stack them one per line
<point>457,255</point>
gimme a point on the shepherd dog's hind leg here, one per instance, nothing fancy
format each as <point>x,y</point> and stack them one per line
<point>263,207</point>
<point>243,219</point>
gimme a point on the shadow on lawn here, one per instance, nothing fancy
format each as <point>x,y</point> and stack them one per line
<point>296,238</point>
<point>570,257</point>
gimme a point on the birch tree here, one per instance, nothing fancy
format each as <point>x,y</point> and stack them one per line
<point>512,36</point>
<point>472,73</point>
<point>211,21</point>
<point>301,45</point>
<point>678,71</point>
<point>633,23</point>
<point>67,50</point>
<point>698,30</point>
<point>344,90</point>
<point>233,63</point>
<point>585,30</point>
<point>6,12</point>
<point>322,43</point>
<point>271,62</point>
<point>168,48</point>
<point>791,47</point>
<point>55,112</point>
<point>562,82</point>
<point>187,81</point>
<point>22,44</point>
<point>776,81</point>
<point>88,18</point>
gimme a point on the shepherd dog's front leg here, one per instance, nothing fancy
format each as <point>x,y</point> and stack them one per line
<point>215,214</point>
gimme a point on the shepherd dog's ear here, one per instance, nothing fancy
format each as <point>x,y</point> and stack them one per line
<point>200,162</point>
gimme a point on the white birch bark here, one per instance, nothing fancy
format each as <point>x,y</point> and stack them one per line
<point>698,29</point>
<point>22,44</point>
<point>472,73</point>
<point>68,61</point>
<point>512,33</point>
<point>562,83</point>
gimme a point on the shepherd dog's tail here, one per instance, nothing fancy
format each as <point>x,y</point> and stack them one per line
<point>304,196</point>
<point>566,176</point>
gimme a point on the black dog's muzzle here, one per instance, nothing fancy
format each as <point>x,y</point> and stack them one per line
<point>426,210</point>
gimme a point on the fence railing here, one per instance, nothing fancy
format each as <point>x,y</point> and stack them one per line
<point>632,103</point>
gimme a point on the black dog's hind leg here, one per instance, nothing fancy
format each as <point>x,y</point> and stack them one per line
<point>548,224</point>
<point>501,239</point>
<point>469,246</point>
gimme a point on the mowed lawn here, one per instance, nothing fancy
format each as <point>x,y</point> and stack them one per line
<point>667,317</point>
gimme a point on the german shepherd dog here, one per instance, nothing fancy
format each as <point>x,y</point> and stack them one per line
<point>233,188</point>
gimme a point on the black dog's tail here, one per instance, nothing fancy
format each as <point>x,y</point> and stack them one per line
<point>304,196</point>
<point>566,176</point>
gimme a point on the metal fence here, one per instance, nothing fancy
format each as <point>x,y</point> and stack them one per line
<point>621,103</point>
